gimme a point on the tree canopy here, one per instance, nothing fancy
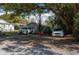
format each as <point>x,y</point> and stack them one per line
<point>64,11</point>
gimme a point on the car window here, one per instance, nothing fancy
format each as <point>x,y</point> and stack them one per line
<point>57,29</point>
<point>27,28</point>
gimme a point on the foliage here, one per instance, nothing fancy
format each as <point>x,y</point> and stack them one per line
<point>50,22</point>
<point>11,18</point>
<point>76,26</point>
<point>65,13</point>
<point>18,8</point>
<point>46,30</point>
<point>16,27</point>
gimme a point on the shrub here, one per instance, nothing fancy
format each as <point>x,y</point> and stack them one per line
<point>47,30</point>
<point>16,27</point>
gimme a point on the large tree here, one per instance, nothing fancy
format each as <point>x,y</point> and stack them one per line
<point>65,13</point>
<point>18,8</point>
<point>23,8</point>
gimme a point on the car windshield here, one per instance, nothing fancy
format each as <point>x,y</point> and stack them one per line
<point>57,29</point>
<point>27,28</point>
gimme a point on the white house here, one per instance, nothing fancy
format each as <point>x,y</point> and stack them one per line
<point>5,26</point>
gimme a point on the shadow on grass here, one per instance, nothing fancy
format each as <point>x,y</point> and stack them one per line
<point>37,44</point>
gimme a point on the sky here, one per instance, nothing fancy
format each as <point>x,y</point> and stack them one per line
<point>1,11</point>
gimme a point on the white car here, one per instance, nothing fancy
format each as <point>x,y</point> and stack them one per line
<point>57,32</point>
<point>25,30</point>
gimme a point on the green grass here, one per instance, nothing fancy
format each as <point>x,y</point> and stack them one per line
<point>10,33</point>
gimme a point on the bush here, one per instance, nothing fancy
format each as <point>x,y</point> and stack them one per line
<point>47,30</point>
<point>76,26</point>
<point>16,27</point>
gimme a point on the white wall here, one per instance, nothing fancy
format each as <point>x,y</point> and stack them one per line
<point>6,27</point>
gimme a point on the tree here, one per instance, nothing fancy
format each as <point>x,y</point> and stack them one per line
<point>76,26</point>
<point>23,8</point>
<point>39,11</point>
<point>17,10</point>
<point>65,13</point>
<point>11,18</point>
<point>51,22</point>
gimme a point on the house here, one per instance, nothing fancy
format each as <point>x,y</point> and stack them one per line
<point>5,26</point>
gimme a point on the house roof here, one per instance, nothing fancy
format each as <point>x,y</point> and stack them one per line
<point>3,21</point>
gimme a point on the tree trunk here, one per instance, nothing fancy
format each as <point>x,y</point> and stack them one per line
<point>39,28</point>
<point>6,12</point>
<point>75,8</point>
<point>68,21</point>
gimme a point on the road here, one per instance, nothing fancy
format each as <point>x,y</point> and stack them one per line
<point>37,45</point>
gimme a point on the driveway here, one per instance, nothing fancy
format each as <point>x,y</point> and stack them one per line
<point>37,45</point>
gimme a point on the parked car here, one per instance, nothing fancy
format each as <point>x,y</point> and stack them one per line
<point>57,32</point>
<point>25,30</point>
